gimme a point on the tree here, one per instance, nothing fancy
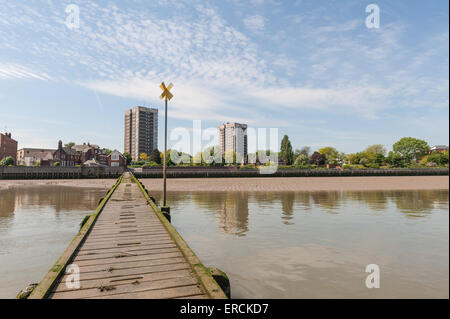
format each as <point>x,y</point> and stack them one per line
<point>286,153</point>
<point>7,161</point>
<point>375,154</point>
<point>301,160</point>
<point>107,151</point>
<point>317,159</point>
<point>411,148</point>
<point>143,156</point>
<point>70,144</point>
<point>155,156</point>
<point>305,150</point>
<point>332,155</point>
<point>128,157</point>
<point>439,158</point>
<point>354,158</point>
<point>395,159</point>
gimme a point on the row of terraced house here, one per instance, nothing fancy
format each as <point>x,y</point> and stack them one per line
<point>86,154</point>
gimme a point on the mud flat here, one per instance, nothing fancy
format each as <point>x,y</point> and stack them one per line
<point>302,183</point>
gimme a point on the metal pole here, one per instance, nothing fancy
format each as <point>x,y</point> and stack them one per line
<point>165,151</point>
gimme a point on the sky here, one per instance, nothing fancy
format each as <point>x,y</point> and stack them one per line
<point>312,69</point>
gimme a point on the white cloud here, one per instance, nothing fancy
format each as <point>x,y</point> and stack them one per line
<point>16,71</point>
<point>255,23</point>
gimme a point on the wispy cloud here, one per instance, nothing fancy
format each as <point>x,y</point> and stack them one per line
<point>15,71</point>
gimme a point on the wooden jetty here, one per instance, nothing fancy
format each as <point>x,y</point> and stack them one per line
<point>128,249</point>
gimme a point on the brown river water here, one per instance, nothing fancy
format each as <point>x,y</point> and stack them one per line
<point>270,244</point>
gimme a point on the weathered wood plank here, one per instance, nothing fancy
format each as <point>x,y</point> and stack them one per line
<point>121,280</point>
<point>170,293</point>
<point>136,286</point>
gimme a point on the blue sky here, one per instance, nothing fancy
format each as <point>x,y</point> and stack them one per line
<point>312,69</point>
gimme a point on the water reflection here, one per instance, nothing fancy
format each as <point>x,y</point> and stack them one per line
<point>59,198</point>
<point>317,244</point>
<point>36,225</point>
<point>232,208</point>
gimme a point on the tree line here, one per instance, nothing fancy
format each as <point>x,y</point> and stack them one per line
<point>407,152</point>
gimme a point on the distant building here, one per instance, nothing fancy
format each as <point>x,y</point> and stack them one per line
<point>141,131</point>
<point>66,156</point>
<point>233,137</point>
<point>116,159</point>
<point>438,148</point>
<point>8,146</point>
<point>34,156</point>
<point>90,155</point>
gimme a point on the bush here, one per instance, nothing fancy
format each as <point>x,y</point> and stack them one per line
<point>57,164</point>
<point>7,161</point>
<point>150,164</point>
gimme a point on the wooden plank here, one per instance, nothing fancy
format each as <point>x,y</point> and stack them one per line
<point>170,293</point>
<point>130,271</point>
<point>117,266</point>
<point>138,286</point>
<point>101,253</point>
<point>121,280</point>
<point>125,258</point>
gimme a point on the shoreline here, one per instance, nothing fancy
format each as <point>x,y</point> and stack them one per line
<point>258,184</point>
<point>84,183</point>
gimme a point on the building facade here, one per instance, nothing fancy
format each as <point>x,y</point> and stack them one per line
<point>116,159</point>
<point>233,137</point>
<point>90,155</point>
<point>141,131</point>
<point>8,147</point>
<point>34,156</point>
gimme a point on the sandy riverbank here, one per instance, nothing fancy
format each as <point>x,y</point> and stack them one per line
<point>301,183</point>
<point>260,184</point>
<point>92,183</point>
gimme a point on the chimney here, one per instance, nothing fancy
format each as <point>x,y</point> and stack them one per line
<point>60,144</point>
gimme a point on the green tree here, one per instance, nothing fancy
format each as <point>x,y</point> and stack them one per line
<point>354,159</point>
<point>108,151</point>
<point>7,161</point>
<point>155,156</point>
<point>70,144</point>
<point>395,159</point>
<point>286,153</point>
<point>375,153</point>
<point>301,160</point>
<point>411,148</point>
<point>332,155</point>
<point>439,158</point>
<point>128,157</point>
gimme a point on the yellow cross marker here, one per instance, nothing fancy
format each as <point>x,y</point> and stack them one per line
<point>166,91</point>
<point>166,95</point>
